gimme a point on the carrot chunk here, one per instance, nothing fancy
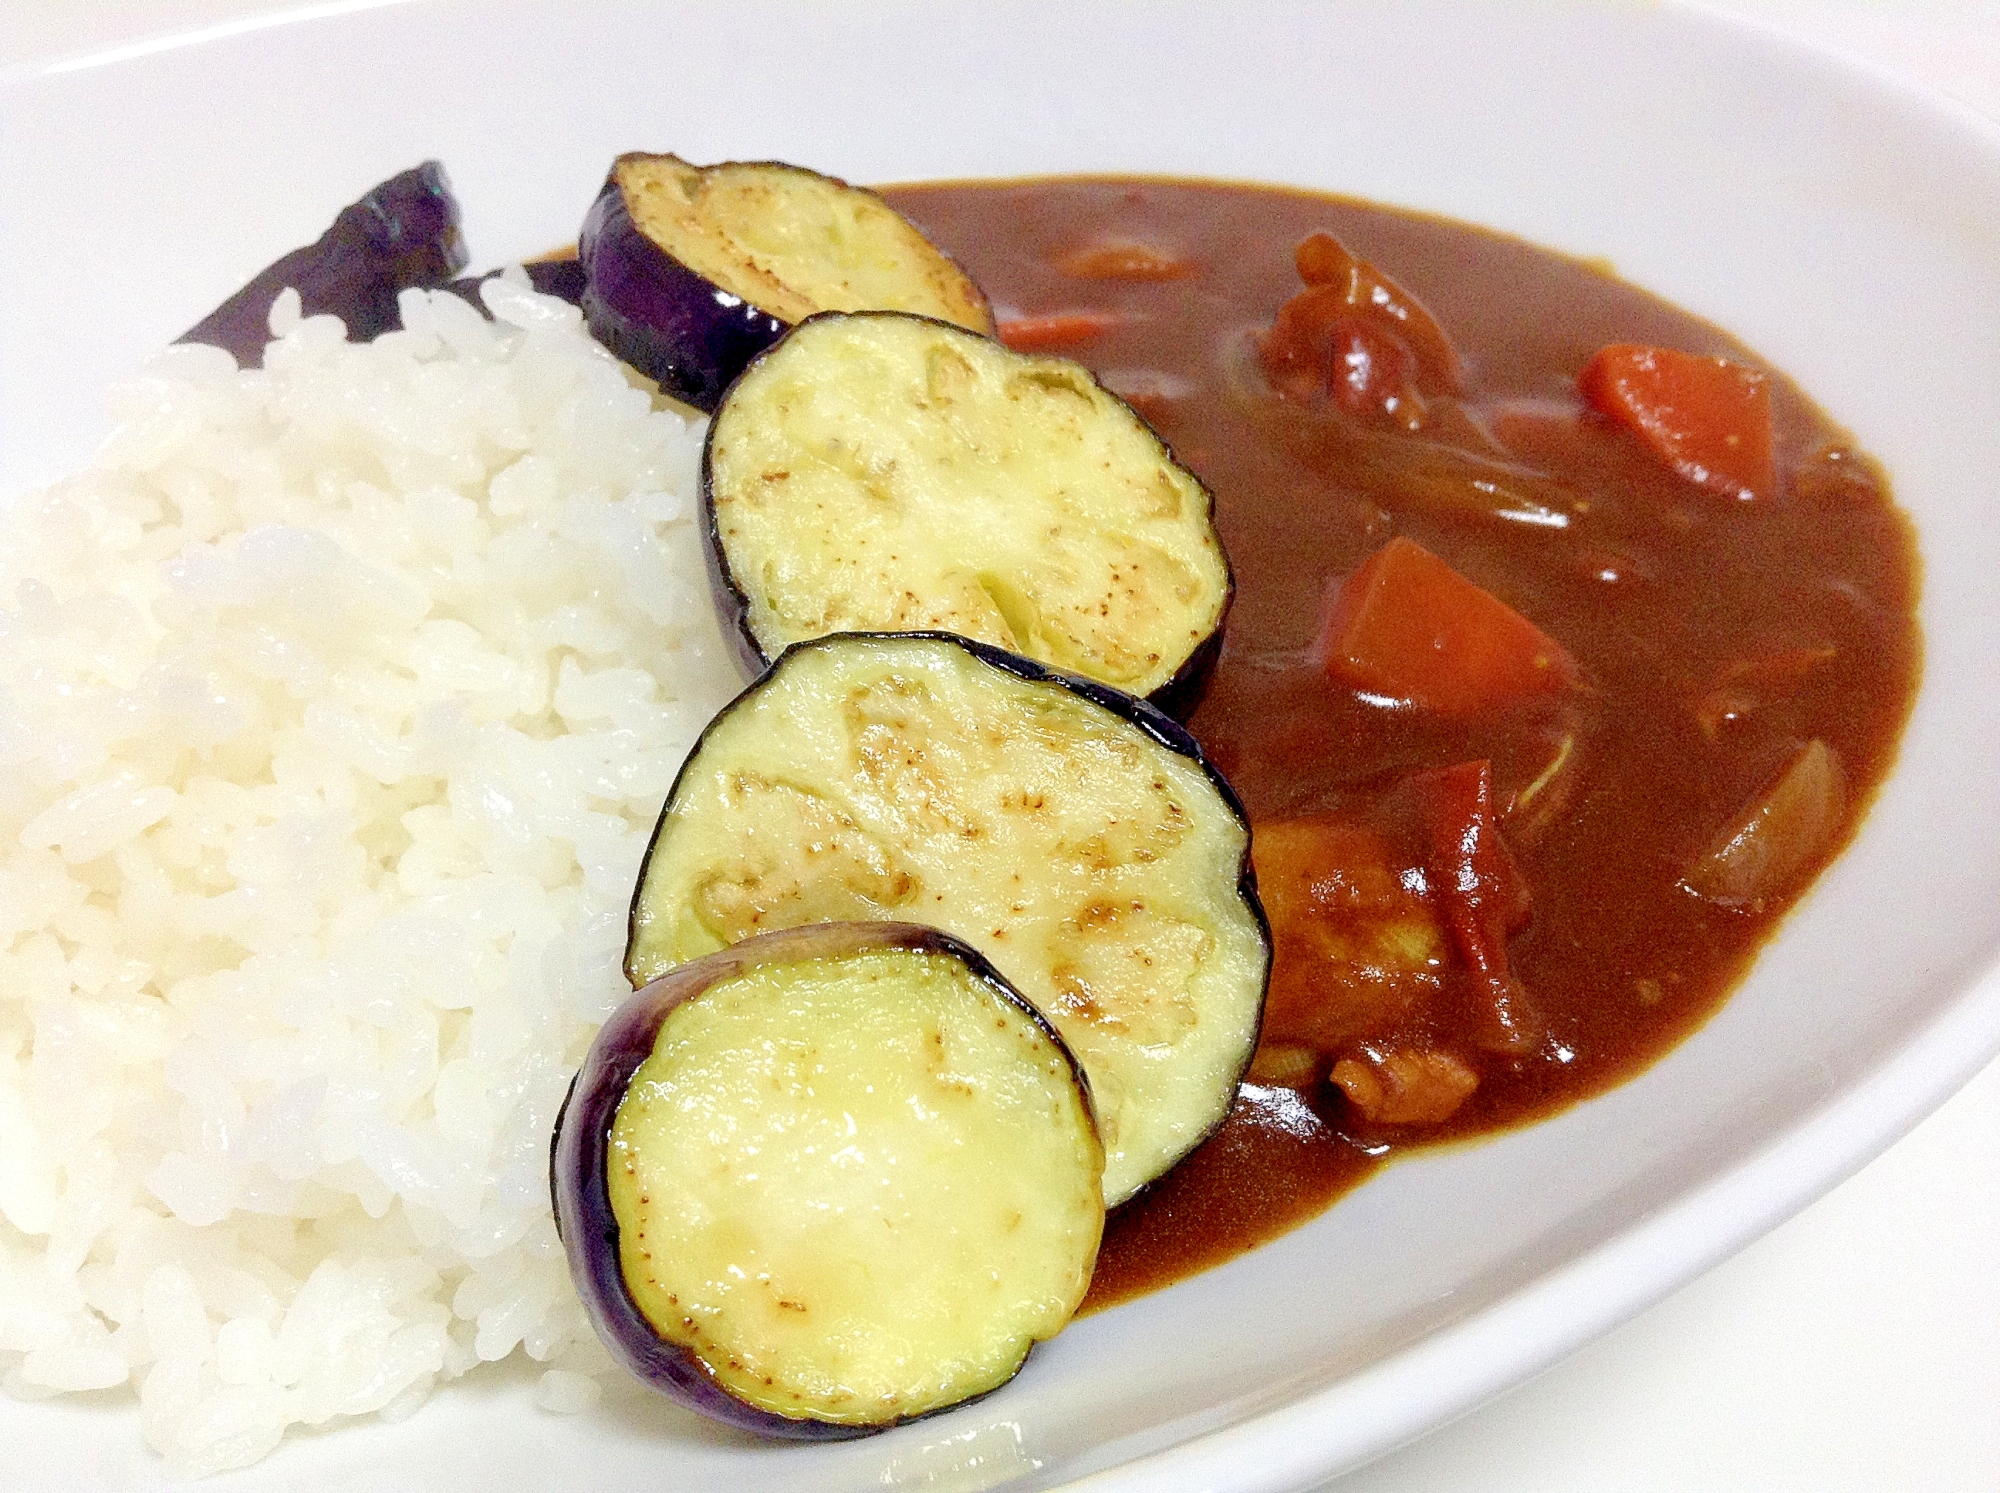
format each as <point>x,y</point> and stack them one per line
<point>1055,331</point>
<point>1409,627</point>
<point>1706,418</point>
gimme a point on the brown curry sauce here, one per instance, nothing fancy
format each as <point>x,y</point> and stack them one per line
<point>1714,637</point>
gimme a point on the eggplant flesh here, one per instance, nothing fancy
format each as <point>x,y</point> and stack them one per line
<point>829,1180</point>
<point>691,271</point>
<point>1072,834</point>
<point>403,234</point>
<point>878,472</point>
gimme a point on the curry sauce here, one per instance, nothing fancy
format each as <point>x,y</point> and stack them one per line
<point>1715,639</point>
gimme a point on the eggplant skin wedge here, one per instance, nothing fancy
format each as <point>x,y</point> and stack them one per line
<point>885,472</point>
<point>403,232</point>
<point>1071,833</point>
<point>691,271</point>
<point>829,1180</point>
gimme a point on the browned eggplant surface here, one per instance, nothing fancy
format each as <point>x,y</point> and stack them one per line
<point>828,1180</point>
<point>880,471</point>
<point>691,271</point>
<point>1070,833</point>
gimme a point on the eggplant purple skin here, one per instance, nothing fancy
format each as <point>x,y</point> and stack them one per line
<point>1148,717</point>
<point>579,1151</point>
<point>561,278</point>
<point>1178,697</point>
<point>404,232</point>
<point>660,316</point>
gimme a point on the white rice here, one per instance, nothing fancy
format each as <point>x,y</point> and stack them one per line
<point>337,701</point>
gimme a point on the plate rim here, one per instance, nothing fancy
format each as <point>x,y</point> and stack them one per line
<point>1725,1212</point>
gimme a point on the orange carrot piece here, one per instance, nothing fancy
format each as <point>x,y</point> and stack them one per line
<point>1055,331</point>
<point>1706,418</point>
<point>1409,627</point>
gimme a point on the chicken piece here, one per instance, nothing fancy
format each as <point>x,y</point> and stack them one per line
<point>1404,1085</point>
<point>1355,944</point>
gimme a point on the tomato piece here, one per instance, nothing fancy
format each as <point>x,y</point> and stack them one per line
<point>1389,924</point>
<point>1707,418</point>
<point>1321,347</point>
<point>1408,627</point>
<point>1356,338</point>
<point>1055,331</point>
<point>1481,895</point>
<point>1322,259</point>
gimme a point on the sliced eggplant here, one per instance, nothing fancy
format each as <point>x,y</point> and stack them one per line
<point>691,271</point>
<point>882,472</point>
<point>1072,834</point>
<point>403,233</point>
<point>828,1180</point>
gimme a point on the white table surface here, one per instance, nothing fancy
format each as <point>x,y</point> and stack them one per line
<point>1856,1349</point>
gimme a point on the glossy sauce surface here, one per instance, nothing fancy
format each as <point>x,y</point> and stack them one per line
<point>1714,637</point>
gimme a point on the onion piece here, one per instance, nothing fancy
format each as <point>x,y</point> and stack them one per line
<point>1765,852</point>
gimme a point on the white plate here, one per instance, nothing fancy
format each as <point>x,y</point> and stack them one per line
<point>1842,228</point>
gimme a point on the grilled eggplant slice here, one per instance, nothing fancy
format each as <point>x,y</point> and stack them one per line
<point>1070,833</point>
<point>691,271</point>
<point>881,472</point>
<point>828,1180</point>
<point>404,232</point>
